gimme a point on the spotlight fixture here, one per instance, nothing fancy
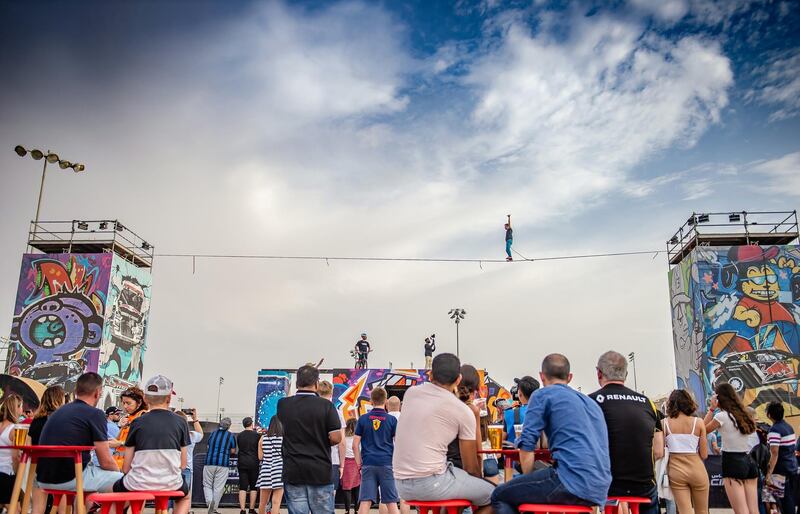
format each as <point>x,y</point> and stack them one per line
<point>78,167</point>
<point>52,158</point>
<point>733,217</point>
<point>21,151</point>
<point>82,225</point>
<point>37,154</point>
<point>118,226</point>
<point>703,218</point>
<point>64,164</point>
<point>674,240</point>
<point>103,225</point>
<point>146,245</point>
<point>691,221</point>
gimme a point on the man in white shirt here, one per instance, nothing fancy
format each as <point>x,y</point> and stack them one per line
<point>393,406</point>
<point>433,417</point>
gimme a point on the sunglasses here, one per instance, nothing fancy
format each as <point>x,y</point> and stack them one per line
<point>759,280</point>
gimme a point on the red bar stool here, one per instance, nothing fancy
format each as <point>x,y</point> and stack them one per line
<point>632,501</point>
<point>57,495</point>
<point>452,506</point>
<point>544,509</point>
<point>162,499</point>
<point>119,500</point>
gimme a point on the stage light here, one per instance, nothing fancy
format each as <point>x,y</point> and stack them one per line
<point>103,225</point>
<point>674,240</point>
<point>78,167</point>
<point>37,154</point>
<point>82,225</point>
<point>145,245</point>
<point>733,218</point>
<point>21,151</point>
<point>703,218</point>
<point>118,226</point>
<point>691,221</point>
<point>52,158</point>
<point>64,164</point>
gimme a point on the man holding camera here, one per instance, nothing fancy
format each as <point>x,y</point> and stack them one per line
<point>521,392</point>
<point>430,347</point>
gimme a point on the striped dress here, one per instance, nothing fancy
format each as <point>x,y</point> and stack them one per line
<point>269,476</point>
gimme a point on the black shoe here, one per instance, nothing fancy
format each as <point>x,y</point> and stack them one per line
<point>242,511</point>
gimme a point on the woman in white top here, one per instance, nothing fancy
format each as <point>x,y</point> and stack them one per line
<point>739,470</point>
<point>688,447</point>
<point>10,411</point>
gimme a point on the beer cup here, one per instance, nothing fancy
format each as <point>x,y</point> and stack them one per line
<point>496,436</point>
<point>517,431</point>
<point>19,434</point>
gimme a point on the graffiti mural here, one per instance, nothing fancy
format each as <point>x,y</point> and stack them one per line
<point>58,317</point>
<point>736,319</point>
<point>271,387</point>
<point>125,328</point>
<point>352,387</point>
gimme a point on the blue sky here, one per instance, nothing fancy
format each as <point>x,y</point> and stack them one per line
<point>400,129</point>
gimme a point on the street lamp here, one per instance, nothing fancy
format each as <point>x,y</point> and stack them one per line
<point>632,359</point>
<point>457,315</point>
<point>49,158</point>
<point>219,392</point>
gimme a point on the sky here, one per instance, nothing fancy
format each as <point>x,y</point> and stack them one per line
<point>398,129</point>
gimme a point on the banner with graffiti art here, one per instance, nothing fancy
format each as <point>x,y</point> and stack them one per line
<point>58,316</point>
<point>352,387</point>
<point>125,328</point>
<point>736,319</point>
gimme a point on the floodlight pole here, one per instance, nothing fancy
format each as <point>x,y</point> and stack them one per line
<point>632,358</point>
<point>219,392</point>
<point>41,192</point>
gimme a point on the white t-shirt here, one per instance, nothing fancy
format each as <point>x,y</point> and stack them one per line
<point>733,441</point>
<point>396,414</point>
<point>432,418</point>
<point>335,447</point>
<point>194,438</point>
<point>348,448</point>
<point>6,456</point>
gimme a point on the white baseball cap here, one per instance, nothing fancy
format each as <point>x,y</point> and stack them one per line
<point>159,385</point>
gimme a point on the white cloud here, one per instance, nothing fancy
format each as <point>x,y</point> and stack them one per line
<point>778,85</point>
<point>783,174</point>
<point>665,10</point>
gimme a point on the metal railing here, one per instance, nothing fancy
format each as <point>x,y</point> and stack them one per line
<point>750,226</point>
<point>110,235</point>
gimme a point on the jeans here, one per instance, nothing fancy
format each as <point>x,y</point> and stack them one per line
<point>214,480</point>
<point>541,486</point>
<point>302,499</point>
<point>509,242</point>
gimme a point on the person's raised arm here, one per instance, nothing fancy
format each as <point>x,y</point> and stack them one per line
<point>196,423</point>
<point>509,220</point>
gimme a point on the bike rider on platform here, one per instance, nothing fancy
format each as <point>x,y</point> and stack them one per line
<point>362,350</point>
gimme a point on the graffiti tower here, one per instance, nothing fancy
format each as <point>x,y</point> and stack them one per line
<point>735,296</point>
<point>82,304</point>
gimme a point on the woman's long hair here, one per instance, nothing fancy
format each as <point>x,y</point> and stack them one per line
<point>350,427</point>
<point>52,399</point>
<point>11,408</point>
<point>729,402</point>
<point>275,427</point>
<point>470,382</point>
<point>137,395</point>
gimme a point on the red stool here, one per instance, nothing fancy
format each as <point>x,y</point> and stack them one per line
<point>542,508</point>
<point>452,506</point>
<point>632,501</point>
<point>162,499</point>
<point>119,500</point>
<point>57,495</point>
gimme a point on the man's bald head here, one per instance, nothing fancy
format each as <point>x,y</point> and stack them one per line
<point>555,367</point>
<point>393,404</point>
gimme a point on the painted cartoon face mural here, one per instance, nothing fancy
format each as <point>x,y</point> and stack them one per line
<point>128,307</point>
<point>352,387</point>
<point>58,318</point>
<point>745,301</point>
<point>77,313</point>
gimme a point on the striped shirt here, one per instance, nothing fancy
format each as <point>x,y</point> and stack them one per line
<point>782,435</point>
<point>220,444</point>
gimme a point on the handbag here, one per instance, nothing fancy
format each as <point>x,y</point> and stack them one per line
<point>662,477</point>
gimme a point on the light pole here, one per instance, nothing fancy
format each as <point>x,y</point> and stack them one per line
<point>219,392</point>
<point>632,358</point>
<point>51,158</point>
<point>457,315</point>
